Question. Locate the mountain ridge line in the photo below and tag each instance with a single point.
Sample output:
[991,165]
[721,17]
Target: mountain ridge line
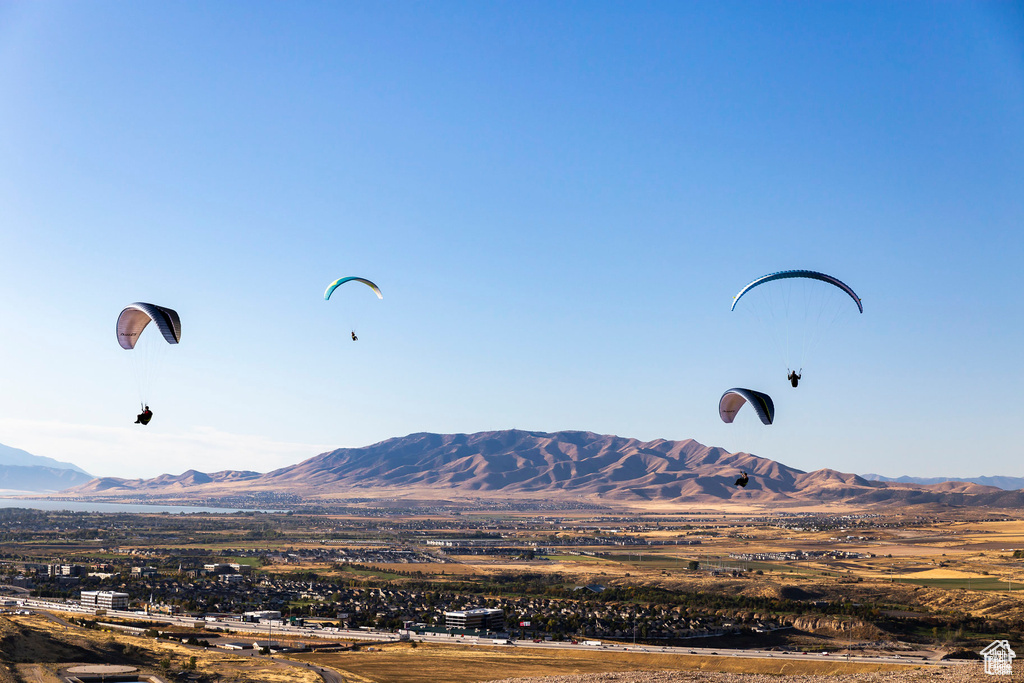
[567,464]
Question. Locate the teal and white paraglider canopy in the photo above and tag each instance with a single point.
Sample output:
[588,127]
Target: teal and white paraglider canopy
[795,311]
[340,281]
[809,274]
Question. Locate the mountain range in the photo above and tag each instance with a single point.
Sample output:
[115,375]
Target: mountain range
[16,456]
[568,465]
[22,471]
[1005,483]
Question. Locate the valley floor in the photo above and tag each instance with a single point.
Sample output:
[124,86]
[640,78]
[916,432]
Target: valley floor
[960,674]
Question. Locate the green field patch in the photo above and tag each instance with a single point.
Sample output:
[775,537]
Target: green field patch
[984,584]
[96,557]
[754,565]
[580,558]
[234,559]
[656,561]
[371,571]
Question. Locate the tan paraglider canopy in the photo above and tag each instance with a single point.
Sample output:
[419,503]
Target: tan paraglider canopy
[136,316]
[734,399]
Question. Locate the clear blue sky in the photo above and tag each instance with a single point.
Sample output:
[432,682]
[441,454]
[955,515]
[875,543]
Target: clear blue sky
[558,200]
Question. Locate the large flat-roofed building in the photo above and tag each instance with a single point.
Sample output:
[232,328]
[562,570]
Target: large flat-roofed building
[65,570]
[227,568]
[104,599]
[483,618]
[262,615]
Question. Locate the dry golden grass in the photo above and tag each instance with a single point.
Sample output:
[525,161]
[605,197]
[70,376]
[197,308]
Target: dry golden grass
[460,569]
[943,574]
[582,566]
[461,664]
[37,673]
[49,645]
[7,675]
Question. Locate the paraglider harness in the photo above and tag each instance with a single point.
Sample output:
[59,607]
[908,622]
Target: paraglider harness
[354,337]
[794,377]
[145,416]
[742,481]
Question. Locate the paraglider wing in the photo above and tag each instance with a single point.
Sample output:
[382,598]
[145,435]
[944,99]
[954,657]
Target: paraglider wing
[734,399]
[136,316]
[337,283]
[810,274]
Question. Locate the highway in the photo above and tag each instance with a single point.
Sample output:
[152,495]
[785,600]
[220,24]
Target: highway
[308,633]
[47,609]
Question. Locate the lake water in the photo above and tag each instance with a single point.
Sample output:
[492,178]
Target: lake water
[85,506]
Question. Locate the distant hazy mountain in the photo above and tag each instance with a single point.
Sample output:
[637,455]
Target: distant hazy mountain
[165,482]
[16,456]
[22,471]
[39,479]
[515,464]
[1005,483]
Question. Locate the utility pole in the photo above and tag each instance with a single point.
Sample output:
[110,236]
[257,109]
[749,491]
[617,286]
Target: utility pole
[849,646]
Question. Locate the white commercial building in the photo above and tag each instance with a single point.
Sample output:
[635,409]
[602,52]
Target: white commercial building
[105,600]
[262,615]
[480,618]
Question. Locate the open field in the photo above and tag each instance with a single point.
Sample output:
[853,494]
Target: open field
[967,674]
[455,664]
[380,571]
[997,572]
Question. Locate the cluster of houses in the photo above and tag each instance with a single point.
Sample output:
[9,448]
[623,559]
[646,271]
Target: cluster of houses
[800,555]
[267,600]
[369,554]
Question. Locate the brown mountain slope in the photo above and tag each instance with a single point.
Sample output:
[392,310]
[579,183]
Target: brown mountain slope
[108,485]
[562,465]
[514,461]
